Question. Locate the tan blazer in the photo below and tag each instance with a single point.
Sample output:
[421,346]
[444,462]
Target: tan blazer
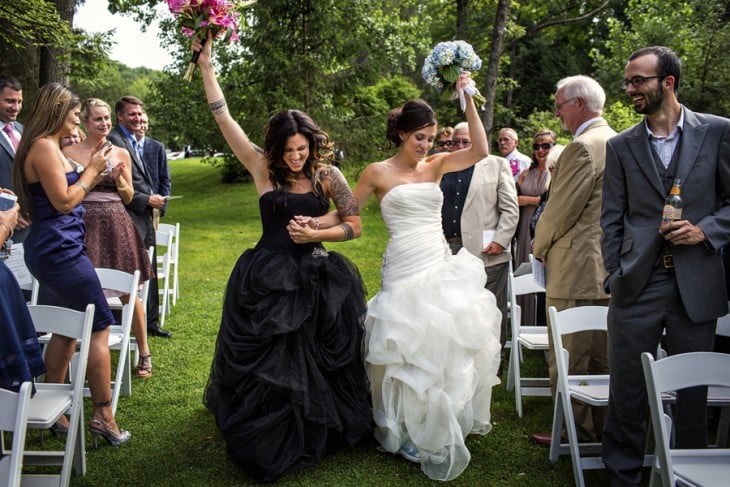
[568,233]
[491,204]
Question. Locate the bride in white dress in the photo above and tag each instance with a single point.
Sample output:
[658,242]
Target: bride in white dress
[432,332]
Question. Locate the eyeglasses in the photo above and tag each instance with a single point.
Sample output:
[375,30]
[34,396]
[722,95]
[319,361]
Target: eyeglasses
[464,142]
[637,81]
[560,106]
[443,143]
[543,146]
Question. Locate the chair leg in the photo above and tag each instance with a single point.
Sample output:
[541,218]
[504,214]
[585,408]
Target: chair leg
[723,427]
[557,428]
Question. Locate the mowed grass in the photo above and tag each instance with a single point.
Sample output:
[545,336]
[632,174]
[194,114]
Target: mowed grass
[175,441]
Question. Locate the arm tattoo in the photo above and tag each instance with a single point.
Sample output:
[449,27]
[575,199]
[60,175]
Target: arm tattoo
[341,194]
[218,106]
[349,233]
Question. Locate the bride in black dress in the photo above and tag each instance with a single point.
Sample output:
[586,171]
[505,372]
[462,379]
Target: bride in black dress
[287,383]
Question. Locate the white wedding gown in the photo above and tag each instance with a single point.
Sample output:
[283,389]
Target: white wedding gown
[432,337]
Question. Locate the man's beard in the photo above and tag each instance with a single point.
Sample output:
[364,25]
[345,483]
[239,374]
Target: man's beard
[652,102]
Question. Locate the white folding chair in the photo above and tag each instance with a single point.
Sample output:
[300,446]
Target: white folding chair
[164,239]
[710,466]
[13,418]
[588,389]
[51,401]
[174,250]
[119,335]
[528,337]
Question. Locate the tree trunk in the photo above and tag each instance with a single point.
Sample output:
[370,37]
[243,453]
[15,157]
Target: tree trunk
[498,31]
[462,17]
[52,69]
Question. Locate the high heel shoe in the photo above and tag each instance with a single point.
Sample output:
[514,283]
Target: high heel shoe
[100,428]
[144,367]
[59,429]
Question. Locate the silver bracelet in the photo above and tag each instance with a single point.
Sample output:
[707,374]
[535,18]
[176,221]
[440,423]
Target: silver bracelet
[83,186]
[316,223]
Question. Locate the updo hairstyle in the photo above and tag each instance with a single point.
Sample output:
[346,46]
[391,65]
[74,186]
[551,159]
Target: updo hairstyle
[415,114]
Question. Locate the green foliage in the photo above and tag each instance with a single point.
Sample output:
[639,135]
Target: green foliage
[697,30]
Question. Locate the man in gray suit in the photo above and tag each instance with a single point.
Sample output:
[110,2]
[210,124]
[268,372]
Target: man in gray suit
[478,199]
[11,102]
[129,115]
[663,277]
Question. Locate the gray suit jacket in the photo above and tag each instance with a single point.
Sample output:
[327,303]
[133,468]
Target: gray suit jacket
[7,155]
[139,211]
[633,197]
[491,204]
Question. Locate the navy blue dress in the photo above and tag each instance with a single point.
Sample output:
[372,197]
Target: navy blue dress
[287,383]
[56,255]
[20,353]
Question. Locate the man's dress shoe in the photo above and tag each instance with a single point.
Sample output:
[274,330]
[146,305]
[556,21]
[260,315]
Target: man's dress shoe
[159,332]
[542,438]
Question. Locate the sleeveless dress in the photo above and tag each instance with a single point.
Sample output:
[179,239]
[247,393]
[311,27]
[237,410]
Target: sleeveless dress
[287,383]
[20,353]
[112,240]
[56,256]
[432,337]
[534,184]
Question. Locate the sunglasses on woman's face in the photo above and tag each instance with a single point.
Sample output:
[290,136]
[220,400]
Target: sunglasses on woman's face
[443,143]
[543,146]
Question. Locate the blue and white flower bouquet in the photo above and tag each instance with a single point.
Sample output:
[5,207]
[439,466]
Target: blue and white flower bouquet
[443,66]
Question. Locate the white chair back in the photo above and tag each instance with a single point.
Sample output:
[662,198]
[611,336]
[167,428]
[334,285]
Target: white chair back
[14,418]
[164,239]
[709,466]
[174,289]
[53,400]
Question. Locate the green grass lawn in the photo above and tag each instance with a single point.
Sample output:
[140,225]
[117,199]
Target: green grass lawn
[175,441]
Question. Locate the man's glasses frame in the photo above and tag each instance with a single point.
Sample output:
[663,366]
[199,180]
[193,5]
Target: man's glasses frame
[461,142]
[637,81]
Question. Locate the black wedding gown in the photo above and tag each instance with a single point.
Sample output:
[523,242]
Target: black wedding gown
[287,383]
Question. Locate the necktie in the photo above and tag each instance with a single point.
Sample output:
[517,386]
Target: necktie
[140,152]
[11,134]
[515,166]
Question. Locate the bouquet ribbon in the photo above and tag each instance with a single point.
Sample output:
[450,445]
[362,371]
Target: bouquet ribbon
[471,89]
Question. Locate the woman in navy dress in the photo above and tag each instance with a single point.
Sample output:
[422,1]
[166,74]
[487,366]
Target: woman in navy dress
[20,353]
[287,384]
[51,188]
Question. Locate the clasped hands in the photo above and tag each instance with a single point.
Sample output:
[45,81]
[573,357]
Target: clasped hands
[302,228]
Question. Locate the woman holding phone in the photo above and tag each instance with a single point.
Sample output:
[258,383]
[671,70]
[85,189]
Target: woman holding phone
[112,241]
[50,190]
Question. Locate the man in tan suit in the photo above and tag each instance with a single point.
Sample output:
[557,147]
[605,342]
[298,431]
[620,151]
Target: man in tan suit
[567,237]
[480,199]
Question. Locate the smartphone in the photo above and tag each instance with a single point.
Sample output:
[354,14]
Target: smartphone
[109,166]
[7,201]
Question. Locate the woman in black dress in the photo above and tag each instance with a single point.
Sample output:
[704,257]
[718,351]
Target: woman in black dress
[287,383]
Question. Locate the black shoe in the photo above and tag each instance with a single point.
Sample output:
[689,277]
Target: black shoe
[159,332]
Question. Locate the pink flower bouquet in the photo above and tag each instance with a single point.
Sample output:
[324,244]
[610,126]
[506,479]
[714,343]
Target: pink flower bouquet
[198,17]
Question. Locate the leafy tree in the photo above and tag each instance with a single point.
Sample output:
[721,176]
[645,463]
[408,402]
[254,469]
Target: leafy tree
[697,30]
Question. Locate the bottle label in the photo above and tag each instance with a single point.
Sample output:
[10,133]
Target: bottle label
[671,213]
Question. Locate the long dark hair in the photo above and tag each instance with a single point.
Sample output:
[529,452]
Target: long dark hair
[284,125]
[415,114]
[52,105]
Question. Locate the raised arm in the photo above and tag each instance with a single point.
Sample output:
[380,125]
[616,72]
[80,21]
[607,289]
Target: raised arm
[461,159]
[250,156]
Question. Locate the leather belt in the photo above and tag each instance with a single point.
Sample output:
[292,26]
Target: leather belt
[665,260]
[454,240]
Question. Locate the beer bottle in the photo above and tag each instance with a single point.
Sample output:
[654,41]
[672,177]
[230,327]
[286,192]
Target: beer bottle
[673,203]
